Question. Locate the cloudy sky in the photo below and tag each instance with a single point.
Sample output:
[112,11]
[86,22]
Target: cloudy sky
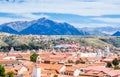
[80,13]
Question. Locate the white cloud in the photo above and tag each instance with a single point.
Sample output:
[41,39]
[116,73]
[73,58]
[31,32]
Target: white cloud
[31,16]
[79,7]
[27,17]
[100,7]
[108,20]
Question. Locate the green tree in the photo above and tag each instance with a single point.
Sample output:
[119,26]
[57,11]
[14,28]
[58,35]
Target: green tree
[10,74]
[116,67]
[33,57]
[115,62]
[78,62]
[55,75]
[2,71]
[109,65]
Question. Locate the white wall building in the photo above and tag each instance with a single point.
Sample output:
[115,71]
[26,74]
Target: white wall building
[36,72]
[88,54]
[76,73]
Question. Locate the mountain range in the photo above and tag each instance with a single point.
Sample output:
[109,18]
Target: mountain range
[41,26]
[44,26]
[98,31]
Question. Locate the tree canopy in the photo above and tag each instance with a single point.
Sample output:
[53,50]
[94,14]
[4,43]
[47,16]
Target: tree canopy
[10,74]
[2,71]
[115,62]
[109,65]
[55,75]
[33,57]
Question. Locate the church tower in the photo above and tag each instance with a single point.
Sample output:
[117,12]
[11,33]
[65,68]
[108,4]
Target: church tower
[36,69]
[38,60]
[12,50]
[107,49]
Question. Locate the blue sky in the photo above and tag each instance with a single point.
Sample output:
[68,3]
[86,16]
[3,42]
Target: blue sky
[80,13]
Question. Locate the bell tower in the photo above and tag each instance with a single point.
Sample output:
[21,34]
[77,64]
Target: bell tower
[36,69]
[38,60]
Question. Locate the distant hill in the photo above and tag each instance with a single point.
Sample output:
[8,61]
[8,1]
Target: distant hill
[41,26]
[24,42]
[115,41]
[98,31]
[116,33]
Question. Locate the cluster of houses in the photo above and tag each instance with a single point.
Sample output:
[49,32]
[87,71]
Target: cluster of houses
[64,61]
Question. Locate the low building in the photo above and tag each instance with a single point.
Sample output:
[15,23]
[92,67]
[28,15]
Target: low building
[9,62]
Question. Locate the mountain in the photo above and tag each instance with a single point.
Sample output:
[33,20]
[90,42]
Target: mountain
[4,28]
[101,30]
[116,33]
[92,32]
[18,25]
[41,26]
[45,26]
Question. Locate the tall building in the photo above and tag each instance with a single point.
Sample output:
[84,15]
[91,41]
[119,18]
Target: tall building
[37,70]
[38,60]
[106,51]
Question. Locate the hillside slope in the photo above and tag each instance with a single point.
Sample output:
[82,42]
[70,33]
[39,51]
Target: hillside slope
[36,42]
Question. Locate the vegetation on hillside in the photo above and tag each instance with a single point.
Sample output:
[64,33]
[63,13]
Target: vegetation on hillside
[93,41]
[20,42]
[115,41]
